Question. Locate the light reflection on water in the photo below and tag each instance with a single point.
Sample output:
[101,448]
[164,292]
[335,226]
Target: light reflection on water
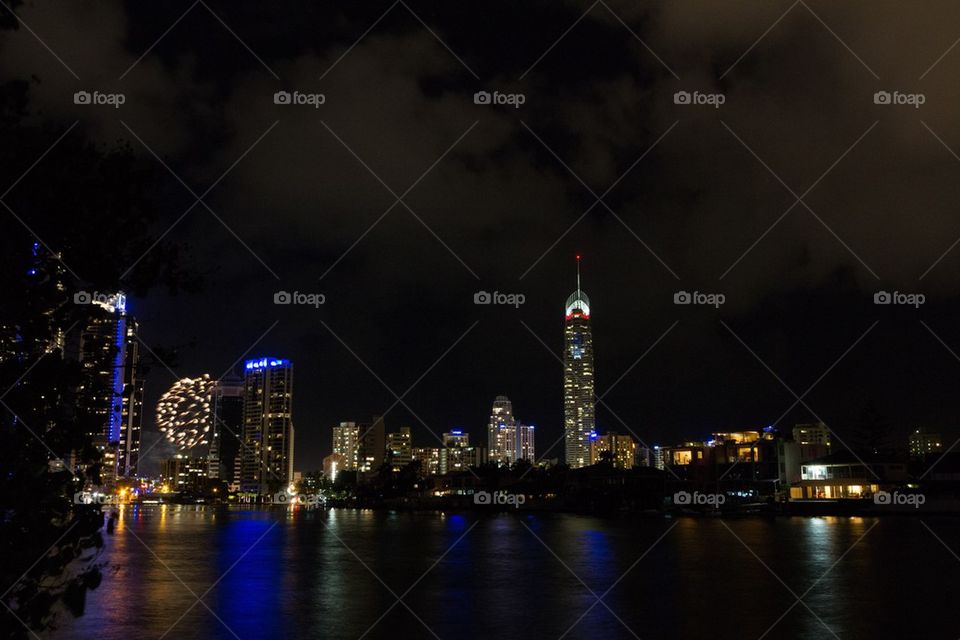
[336,574]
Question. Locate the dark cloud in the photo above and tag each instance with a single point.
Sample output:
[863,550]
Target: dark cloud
[500,201]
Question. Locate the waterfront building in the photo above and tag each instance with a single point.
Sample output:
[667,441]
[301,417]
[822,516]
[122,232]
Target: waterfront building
[345,441]
[267,441]
[184,473]
[111,392]
[843,475]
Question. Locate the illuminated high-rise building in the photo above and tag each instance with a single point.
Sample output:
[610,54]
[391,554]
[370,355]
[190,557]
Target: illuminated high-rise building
[429,459]
[578,383]
[110,398]
[371,445]
[345,441]
[509,440]
[457,454]
[227,429]
[266,453]
[619,450]
[456,438]
[502,432]
[525,449]
[399,448]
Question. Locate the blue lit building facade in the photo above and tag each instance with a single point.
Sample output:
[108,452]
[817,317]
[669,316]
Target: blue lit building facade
[267,441]
[111,395]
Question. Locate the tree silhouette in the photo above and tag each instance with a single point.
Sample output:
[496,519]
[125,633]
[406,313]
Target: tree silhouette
[98,210]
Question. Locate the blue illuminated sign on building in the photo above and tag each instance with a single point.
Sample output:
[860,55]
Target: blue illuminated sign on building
[265,363]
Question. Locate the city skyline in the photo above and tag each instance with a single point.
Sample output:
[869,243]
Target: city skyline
[281,347]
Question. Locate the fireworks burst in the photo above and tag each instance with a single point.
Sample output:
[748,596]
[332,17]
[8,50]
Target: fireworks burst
[184,413]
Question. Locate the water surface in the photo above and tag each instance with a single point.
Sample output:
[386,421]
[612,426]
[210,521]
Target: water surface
[339,574]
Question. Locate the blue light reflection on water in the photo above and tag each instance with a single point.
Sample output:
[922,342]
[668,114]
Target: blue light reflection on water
[319,573]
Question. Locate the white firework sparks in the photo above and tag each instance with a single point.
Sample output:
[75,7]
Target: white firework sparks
[185,414]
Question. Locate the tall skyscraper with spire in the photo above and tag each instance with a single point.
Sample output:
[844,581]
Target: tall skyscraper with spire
[578,391]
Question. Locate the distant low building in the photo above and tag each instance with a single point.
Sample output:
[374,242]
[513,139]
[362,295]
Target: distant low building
[812,433]
[923,442]
[183,473]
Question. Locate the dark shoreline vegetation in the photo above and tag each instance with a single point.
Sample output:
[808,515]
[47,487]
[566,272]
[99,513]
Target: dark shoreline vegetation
[599,490]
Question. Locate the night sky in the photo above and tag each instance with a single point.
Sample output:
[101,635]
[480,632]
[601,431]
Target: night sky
[798,199]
